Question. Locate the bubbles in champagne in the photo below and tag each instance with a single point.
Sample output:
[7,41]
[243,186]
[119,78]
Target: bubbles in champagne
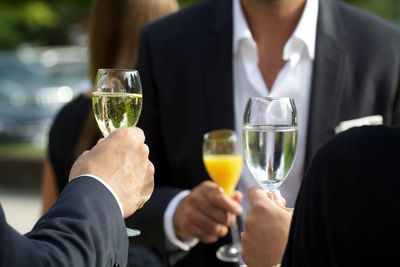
[116,110]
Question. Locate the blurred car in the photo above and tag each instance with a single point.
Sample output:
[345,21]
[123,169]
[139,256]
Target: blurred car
[33,89]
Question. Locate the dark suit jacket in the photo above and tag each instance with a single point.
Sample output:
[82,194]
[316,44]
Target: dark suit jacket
[84,228]
[185,64]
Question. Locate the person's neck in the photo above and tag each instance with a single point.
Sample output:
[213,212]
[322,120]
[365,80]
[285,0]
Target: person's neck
[271,23]
[272,20]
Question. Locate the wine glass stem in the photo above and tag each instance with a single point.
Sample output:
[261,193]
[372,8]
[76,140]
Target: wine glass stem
[235,231]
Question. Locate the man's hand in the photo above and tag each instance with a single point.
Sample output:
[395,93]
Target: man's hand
[121,160]
[266,229]
[203,214]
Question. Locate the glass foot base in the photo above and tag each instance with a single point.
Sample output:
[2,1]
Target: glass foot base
[229,253]
[132,232]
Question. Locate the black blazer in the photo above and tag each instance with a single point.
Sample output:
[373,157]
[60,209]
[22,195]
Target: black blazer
[185,63]
[84,228]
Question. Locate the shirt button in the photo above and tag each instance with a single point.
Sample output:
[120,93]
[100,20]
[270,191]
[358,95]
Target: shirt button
[116,265]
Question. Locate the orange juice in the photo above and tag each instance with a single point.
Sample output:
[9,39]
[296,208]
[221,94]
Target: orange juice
[225,170]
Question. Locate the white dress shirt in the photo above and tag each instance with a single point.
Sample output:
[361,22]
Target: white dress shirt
[293,80]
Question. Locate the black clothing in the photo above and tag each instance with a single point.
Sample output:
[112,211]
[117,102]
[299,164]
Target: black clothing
[346,213]
[64,135]
[186,69]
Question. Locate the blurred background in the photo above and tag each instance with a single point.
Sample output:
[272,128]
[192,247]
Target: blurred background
[43,65]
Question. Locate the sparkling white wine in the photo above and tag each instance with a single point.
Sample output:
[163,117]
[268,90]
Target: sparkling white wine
[269,153]
[116,110]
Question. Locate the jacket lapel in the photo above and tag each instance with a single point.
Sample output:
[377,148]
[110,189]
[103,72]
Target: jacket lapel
[216,58]
[328,77]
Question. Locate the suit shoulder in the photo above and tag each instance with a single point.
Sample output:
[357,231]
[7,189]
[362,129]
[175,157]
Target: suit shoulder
[67,125]
[357,20]
[71,111]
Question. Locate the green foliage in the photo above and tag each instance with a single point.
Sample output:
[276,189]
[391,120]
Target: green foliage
[21,150]
[387,9]
[39,22]
[37,14]
[27,18]
[184,3]
[47,22]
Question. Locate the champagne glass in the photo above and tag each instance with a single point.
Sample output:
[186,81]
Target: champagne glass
[270,139]
[117,103]
[223,160]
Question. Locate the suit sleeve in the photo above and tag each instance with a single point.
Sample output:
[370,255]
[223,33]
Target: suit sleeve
[83,228]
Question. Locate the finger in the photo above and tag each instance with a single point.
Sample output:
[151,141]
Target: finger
[100,140]
[128,133]
[278,199]
[201,226]
[214,213]
[209,226]
[222,201]
[139,134]
[210,236]
[150,179]
[146,149]
[270,195]
[256,193]
[200,201]
[202,235]
[84,153]
[150,168]
[237,196]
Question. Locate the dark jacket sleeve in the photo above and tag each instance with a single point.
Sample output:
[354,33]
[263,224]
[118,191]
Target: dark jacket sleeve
[83,228]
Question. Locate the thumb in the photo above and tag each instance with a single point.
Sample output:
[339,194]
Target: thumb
[256,194]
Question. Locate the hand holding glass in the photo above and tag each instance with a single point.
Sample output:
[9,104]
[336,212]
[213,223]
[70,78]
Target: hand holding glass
[270,139]
[117,103]
[223,161]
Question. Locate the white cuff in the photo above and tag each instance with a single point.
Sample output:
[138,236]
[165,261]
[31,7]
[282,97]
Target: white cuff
[169,225]
[108,187]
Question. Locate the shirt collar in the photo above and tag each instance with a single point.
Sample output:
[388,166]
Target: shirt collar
[304,34]
[240,27]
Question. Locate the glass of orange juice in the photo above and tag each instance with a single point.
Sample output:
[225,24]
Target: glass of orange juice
[222,157]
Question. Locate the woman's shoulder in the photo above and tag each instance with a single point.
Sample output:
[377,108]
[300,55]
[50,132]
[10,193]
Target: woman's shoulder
[72,113]
[69,121]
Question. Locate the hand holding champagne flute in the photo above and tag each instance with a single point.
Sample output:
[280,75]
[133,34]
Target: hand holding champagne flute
[223,161]
[117,103]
